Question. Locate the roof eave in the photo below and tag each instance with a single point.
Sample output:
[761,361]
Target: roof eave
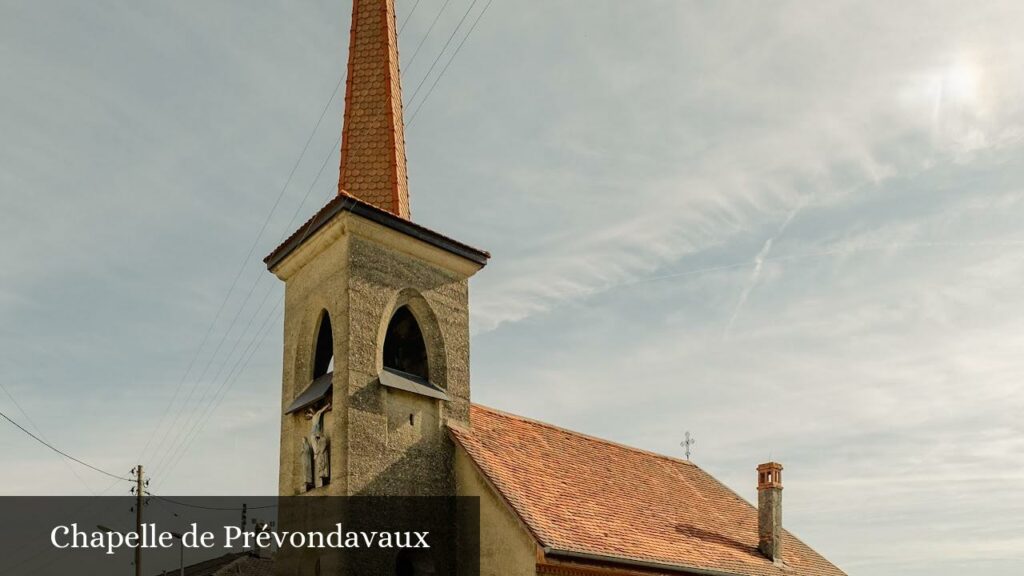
[346,203]
[626,561]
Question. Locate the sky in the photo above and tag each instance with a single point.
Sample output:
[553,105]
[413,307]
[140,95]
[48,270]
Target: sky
[790,228]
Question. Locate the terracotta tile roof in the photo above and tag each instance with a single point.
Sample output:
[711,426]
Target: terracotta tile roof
[373,139]
[347,203]
[581,494]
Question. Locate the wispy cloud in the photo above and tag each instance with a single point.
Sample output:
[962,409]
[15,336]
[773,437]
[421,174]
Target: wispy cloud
[827,136]
[755,274]
[837,184]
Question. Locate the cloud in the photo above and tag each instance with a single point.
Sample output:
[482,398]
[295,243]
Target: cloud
[775,125]
[623,162]
[755,274]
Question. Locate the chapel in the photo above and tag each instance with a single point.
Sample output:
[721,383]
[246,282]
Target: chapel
[376,392]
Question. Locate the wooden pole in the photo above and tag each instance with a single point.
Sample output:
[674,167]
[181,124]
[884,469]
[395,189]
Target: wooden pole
[138,519]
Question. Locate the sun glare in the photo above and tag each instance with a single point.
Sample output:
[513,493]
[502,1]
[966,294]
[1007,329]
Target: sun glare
[960,84]
[955,100]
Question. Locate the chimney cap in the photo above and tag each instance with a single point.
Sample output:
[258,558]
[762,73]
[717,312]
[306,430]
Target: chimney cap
[769,475]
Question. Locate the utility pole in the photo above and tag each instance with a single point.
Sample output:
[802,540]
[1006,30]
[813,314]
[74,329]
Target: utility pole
[139,489]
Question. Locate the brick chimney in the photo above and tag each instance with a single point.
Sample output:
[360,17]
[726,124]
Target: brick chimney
[373,137]
[769,510]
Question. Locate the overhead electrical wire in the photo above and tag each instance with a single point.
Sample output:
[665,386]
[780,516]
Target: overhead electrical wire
[416,53]
[216,508]
[233,374]
[184,438]
[234,283]
[191,435]
[166,465]
[61,452]
[249,255]
[441,53]
[408,17]
[40,433]
[179,447]
[449,63]
[179,436]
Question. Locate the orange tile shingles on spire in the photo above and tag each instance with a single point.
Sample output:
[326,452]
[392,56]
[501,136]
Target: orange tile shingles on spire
[373,164]
[581,494]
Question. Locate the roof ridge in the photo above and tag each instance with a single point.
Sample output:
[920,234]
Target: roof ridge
[584,435]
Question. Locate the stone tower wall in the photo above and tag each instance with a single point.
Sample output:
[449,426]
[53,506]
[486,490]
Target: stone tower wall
[383,441]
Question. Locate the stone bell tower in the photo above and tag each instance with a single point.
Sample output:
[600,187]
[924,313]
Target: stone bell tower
[376,327]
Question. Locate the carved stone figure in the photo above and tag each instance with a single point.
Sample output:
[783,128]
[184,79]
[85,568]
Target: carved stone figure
[306,454]
[316,452]
[322,460]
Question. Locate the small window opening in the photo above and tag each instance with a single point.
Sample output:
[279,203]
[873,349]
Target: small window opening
[404,348]
[323,356]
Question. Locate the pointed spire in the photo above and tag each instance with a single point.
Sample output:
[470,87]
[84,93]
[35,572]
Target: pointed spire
[373,137]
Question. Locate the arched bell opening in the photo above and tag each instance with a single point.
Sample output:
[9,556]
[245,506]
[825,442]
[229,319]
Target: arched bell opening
[412,351]
[323,350]
[404,347]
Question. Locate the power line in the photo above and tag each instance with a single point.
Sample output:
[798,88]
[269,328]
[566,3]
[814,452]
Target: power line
[177,437]
[449,63]
[441,53]
[210,361]
[424,39]
[234,283]
[230,380]
[192,434]
[172,461]
[173,456]
[40,432]
[409,16]
[176,451]
[236,371]
[217,508]
[61,452]
[183,440]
